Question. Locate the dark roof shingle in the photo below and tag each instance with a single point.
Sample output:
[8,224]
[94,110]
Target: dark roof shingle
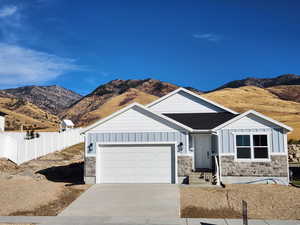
[201,121]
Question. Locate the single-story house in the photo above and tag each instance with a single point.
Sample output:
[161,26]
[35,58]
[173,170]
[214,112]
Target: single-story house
[66,125]
[183,133]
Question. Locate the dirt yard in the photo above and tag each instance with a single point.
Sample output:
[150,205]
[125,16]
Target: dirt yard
[265,201]
[42,187]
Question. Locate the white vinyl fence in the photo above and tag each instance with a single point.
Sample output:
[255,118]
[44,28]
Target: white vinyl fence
[15,147]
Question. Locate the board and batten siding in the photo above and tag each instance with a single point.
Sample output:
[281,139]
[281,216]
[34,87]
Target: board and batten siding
[251,124]
[226,139]
[131,137]
[136,119]
[182,102]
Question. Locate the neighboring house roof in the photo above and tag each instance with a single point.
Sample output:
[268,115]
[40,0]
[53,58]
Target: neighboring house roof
[253,112]
[202,121]
[193,94]
[68,123]
[3,114]
[141,107]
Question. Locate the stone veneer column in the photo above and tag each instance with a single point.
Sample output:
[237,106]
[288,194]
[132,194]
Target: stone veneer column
[184,165]
[90,170]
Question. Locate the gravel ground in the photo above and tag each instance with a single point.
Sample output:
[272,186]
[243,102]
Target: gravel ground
[265,201]
[42,187]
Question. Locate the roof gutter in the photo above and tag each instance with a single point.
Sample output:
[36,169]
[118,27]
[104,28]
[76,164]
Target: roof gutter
[201,131]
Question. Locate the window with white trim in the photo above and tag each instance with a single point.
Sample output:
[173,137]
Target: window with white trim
[252,146]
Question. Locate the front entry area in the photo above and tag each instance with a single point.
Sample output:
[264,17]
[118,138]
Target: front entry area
[135,163]
[202,143]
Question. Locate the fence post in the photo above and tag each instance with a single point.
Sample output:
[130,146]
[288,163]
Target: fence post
[245,212]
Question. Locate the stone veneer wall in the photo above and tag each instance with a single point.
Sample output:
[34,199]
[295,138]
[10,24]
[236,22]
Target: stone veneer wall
[294,153]
[277,167]
[90,167]
[184,165]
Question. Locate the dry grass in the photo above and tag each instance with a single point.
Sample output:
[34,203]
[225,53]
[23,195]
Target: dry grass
[116,103]
[52,208]
[264,201]
[42,187]
[27,114]
[261,100]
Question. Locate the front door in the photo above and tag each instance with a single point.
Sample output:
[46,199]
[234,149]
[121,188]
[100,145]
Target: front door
[202,151]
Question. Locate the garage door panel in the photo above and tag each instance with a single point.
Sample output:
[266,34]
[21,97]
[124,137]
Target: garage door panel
[135,164]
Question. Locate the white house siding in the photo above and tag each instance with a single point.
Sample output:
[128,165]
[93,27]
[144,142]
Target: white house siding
[232,171]
[134,137]
[92,139]
[226,139]
[182,102]
[134,120]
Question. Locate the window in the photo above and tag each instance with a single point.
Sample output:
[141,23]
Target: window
[243,147]
[260,146]
[252,146]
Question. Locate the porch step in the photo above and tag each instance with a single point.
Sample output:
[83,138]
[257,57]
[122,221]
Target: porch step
[201,178]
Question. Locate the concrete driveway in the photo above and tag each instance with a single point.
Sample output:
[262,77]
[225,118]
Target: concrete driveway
[127,200]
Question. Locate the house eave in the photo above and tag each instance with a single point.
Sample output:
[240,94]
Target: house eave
[199,131]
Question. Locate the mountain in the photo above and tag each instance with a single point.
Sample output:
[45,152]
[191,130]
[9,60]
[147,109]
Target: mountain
[115,103]
[277,97]
[278,102]
[84,111]
[24,114]
[262,100]
[286,79]
[53,99]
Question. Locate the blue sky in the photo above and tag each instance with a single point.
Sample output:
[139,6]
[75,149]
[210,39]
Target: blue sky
[201,43]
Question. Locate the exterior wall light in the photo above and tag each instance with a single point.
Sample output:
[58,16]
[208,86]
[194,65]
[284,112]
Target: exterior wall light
[180,147]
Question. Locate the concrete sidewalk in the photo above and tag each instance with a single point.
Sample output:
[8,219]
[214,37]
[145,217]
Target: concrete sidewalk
[87,220]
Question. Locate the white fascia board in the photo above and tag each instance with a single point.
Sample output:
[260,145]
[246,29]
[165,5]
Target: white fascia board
[129,107]
[202,131]
[193,94]
[256,114]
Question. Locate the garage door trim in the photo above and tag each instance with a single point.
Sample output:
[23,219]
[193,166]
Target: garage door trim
[99,144]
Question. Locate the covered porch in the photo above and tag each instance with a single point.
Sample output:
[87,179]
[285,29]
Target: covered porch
[204,148]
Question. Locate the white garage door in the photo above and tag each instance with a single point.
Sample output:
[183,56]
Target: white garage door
[135,164]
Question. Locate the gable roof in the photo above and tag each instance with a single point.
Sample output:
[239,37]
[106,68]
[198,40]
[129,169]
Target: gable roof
[193,94]
[141,107]
[202,121]
[68,122]
[253,112]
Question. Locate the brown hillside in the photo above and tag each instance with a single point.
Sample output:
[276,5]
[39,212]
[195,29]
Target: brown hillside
[81,111]
[250,97]
[24,113]
[286,92]
[115,103]
[53,99]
